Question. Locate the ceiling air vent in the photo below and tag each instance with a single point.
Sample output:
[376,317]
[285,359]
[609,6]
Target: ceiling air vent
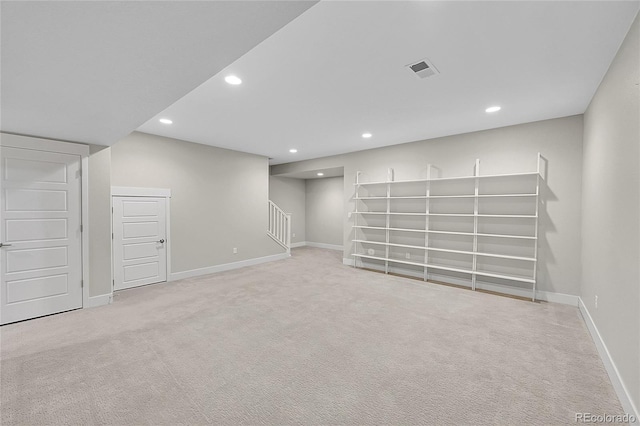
[423,68]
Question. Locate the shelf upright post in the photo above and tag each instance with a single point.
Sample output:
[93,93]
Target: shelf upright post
[355,219]
[388,219]
[426,225]
[535,247]
[476,173]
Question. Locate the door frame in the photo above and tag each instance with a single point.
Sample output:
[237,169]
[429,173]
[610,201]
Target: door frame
[132,191]
[81,150]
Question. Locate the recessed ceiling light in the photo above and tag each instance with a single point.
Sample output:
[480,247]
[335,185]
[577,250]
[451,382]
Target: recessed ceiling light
[166,121]
[366,135]
[493,109]
[232,79]
[293,150]
[320,174]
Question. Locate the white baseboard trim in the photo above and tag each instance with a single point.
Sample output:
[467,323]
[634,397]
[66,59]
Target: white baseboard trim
[547,296]
[325,246]
[298,244]
[101,300]
[617,382]
[226,266]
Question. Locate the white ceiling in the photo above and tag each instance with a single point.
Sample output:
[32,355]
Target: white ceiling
[338,70]
[93,71]
[313,174]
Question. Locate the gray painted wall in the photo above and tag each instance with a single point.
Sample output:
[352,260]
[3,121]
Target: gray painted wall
[504,150]
[611,211]
[289,195]
[219,197]
[324,210]
[99,220]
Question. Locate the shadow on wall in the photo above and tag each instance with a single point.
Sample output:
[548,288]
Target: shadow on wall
[546,227]
[324,207]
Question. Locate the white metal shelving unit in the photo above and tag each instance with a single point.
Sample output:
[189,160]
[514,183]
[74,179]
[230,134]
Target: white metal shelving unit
[391,215]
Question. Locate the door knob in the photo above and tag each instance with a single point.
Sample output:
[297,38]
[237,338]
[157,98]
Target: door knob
[5,245]
[161,241]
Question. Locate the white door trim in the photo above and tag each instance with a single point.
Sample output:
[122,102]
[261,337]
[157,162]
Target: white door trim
[41,144]
[49,145]
[132,191]
[126,191]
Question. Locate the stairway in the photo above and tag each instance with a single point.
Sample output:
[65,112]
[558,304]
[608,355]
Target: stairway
[279,226]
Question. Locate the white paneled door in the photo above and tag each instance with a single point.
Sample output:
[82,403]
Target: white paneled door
[139,241]
[41,253]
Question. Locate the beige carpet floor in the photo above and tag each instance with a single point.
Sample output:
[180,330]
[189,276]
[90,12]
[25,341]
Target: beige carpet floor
[303,341]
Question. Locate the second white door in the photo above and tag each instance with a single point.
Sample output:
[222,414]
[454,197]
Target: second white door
[139,241]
